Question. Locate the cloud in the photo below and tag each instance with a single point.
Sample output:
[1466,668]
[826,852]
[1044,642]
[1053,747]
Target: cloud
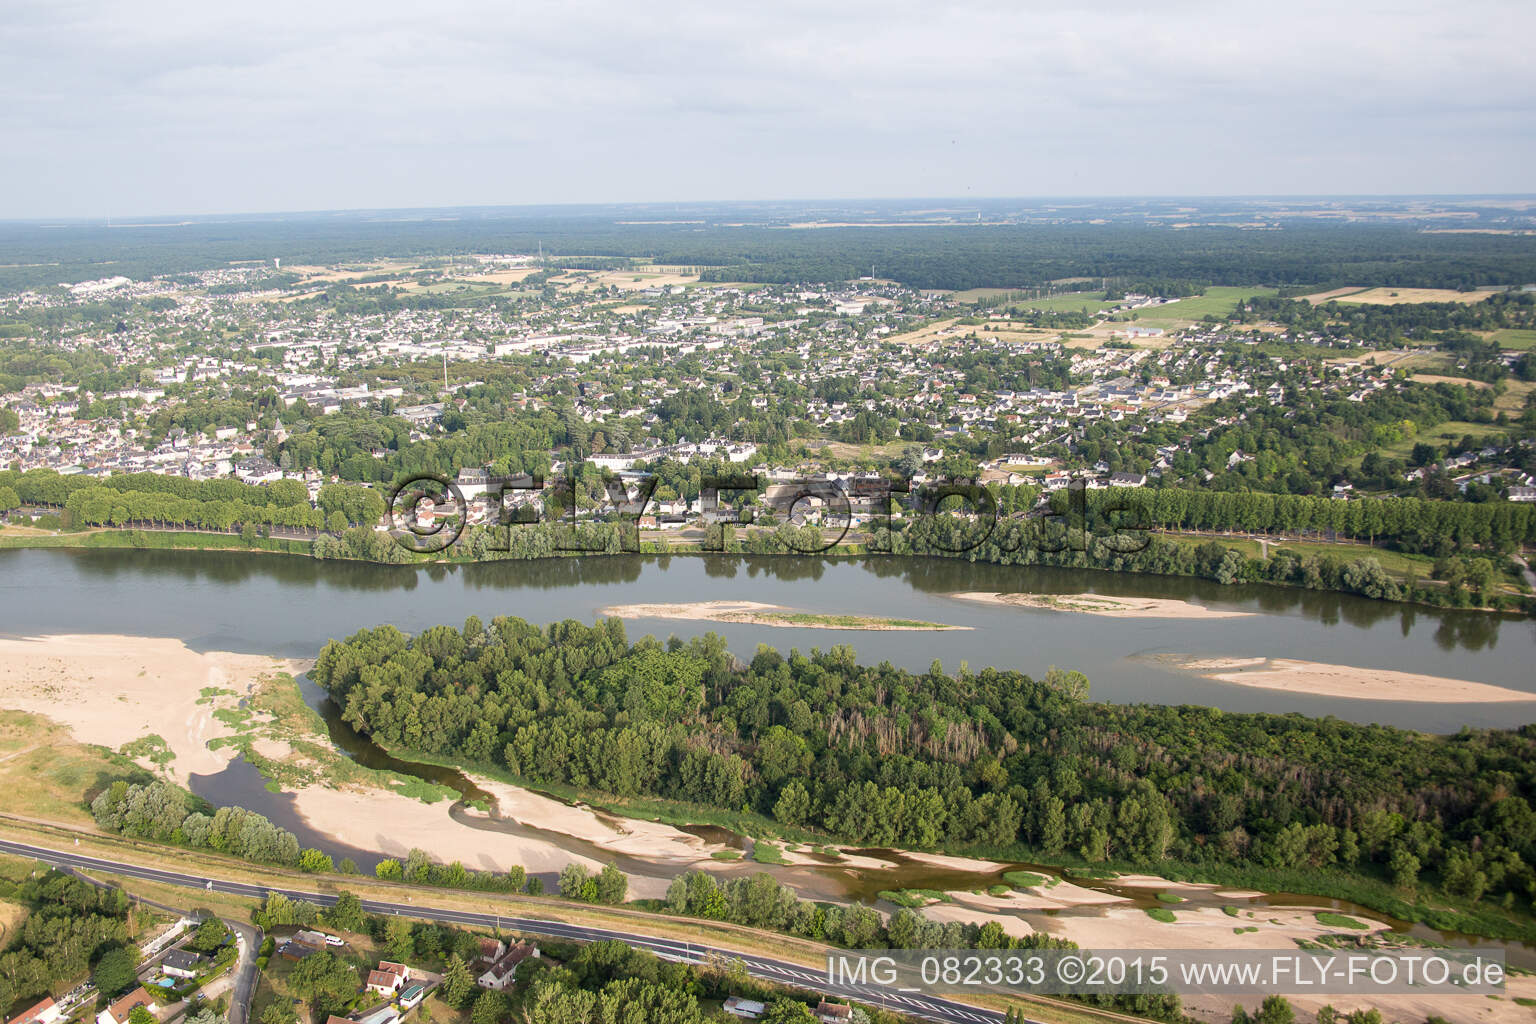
[192,107]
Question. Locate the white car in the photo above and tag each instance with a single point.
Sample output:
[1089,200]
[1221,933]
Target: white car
[331,940]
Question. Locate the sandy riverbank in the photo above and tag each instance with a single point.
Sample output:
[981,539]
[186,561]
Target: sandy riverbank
[1321,680]
[393,824]
[1105,604]
[112,690]
[757,613]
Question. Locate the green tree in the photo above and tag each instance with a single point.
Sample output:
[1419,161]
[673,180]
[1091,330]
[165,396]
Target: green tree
[209,936]
[490,1007]
[575,881]
[314,862]
[787,1011]
[346,914]
[612,886]
[1275,1010]
[116,969]
[323,980]
[458,985]
[399,939]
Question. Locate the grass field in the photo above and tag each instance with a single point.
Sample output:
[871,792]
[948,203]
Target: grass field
[1451,430]
[1395,562]
[1513,399]
[767,853]
[22,537]
[1070,302]
[1317,298]
[1515,338]
[1024,879]
[1217,301]
[12,916]
[45,773]
[1329,919]
[1401,296]
[845,621]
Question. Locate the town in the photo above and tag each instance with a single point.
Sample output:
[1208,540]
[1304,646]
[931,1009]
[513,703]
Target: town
[321,375]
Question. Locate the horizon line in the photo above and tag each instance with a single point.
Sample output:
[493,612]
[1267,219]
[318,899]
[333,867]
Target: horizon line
[174,219]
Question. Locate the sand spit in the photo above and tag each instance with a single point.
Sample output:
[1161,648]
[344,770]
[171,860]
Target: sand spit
[113,690]
[757,613]
[1322,680]
[1105,604]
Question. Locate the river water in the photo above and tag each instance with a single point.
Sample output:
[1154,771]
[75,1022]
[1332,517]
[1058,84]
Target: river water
[291,606]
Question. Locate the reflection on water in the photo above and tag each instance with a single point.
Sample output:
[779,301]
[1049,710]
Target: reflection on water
[290,606]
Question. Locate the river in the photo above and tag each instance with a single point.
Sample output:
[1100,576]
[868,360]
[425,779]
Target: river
[290,606]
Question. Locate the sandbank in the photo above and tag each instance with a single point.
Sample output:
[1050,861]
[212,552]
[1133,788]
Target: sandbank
[1105,604]
[757,613]
[111,690]
[1322,680]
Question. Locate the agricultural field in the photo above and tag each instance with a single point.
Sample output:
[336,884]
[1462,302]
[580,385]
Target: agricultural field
[1318,298]
[1513,398]
[1217,301]
[1400,296]
[1515,338]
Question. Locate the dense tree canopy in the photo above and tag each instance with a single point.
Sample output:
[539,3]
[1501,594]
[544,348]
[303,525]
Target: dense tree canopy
[993,759]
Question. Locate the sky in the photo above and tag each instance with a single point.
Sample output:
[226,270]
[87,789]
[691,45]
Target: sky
[155,107]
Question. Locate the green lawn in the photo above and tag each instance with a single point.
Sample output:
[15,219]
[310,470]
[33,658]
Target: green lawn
[1332,920]
[1451,430]
[1395,562]
[1217,301]
[1522,339]
[1023,879]
[766,853]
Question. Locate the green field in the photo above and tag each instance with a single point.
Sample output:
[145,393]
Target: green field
[1217,301]
[1071,302]
[1450,430]
[1517,338]
[149,539]
[1396,562]
[1331,920]
[1024,879]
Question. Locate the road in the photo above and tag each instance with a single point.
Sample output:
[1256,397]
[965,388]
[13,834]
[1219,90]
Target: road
[932,1008]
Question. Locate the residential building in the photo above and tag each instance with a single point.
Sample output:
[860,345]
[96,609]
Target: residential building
[503,972]
[833,1013]
[748,1009]
[117,1012]
[45,1012]
[181,963]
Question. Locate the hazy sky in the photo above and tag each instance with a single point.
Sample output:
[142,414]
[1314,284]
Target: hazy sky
[142,107]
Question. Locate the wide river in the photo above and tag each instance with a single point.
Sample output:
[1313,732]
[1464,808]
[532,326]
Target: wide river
[290,606]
